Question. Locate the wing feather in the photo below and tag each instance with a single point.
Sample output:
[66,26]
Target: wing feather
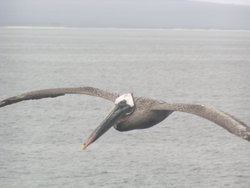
[55,92]
[221,118]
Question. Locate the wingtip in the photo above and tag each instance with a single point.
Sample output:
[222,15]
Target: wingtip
[2,104]
[247,135]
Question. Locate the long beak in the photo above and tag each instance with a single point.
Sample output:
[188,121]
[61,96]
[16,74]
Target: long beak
[106,124]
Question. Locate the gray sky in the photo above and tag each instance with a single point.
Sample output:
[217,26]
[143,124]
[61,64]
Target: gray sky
[208,14]
[234,2]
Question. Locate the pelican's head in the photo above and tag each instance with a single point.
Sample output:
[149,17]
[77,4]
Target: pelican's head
[124,106]
[128,100]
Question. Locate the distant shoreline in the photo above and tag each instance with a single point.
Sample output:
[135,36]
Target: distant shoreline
[116,28]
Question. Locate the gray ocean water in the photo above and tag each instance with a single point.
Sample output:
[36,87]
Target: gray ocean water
[40,141]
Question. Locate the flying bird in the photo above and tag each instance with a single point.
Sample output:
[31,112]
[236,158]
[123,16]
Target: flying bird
[132,112]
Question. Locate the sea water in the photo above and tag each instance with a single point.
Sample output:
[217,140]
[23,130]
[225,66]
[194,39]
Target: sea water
[40,140]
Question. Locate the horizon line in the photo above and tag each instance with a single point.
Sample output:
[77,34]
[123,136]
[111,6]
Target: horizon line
[82,27]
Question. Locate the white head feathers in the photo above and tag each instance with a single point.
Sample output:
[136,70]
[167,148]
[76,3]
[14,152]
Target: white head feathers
[127,97]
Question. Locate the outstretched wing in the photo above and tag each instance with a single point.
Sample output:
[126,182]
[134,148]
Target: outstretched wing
[46,93]
[223,119]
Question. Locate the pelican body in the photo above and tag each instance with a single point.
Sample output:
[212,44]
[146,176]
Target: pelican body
[131,112]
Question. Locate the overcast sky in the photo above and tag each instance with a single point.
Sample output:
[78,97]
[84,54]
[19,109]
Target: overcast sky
[234,2]
[208,14]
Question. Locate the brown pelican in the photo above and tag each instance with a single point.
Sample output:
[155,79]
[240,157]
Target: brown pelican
[132,112]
